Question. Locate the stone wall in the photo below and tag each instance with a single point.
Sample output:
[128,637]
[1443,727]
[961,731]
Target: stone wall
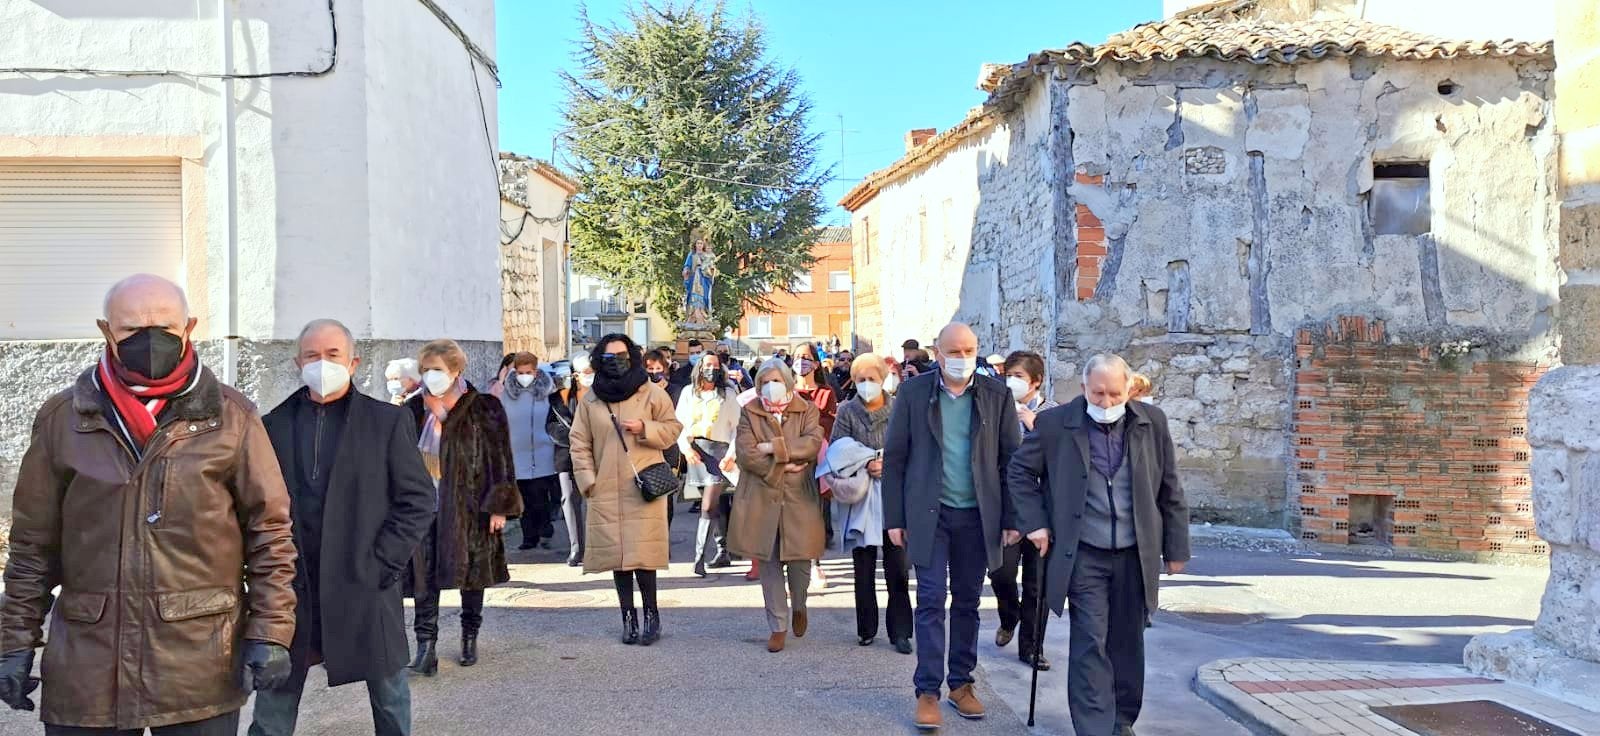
[1562,652]
[1195,215]
[1411,446]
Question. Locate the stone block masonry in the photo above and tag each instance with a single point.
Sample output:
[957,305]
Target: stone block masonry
[1413,446]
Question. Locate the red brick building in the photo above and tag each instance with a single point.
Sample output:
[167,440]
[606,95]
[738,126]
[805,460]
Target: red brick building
[817,310]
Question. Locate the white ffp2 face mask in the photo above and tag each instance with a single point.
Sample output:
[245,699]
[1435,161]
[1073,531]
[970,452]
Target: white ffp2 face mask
[1019,387]
[869,391]
[775,392]
[395,388]
[525,379]
[325,377]
[960,369]
[438,382]
[585,379]
[1108,415]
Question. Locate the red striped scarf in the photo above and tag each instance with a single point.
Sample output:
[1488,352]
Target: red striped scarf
[138,400]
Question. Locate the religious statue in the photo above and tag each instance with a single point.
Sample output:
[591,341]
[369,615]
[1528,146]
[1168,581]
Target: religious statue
[699,273]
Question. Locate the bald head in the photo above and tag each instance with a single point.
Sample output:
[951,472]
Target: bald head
[145,300]
[957,340]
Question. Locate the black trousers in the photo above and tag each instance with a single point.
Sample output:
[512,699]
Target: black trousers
[896,577]
[540,498]
[1105,672]
[427,614]
[226,724]
[1014,608]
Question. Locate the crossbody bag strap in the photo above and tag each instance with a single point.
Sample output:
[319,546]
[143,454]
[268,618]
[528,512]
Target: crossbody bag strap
[617,425]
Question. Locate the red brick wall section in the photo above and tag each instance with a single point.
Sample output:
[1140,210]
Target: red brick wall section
[1447,444]
[1091,244]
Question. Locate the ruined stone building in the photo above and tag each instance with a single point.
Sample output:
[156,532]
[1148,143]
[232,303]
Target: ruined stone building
[1331,243]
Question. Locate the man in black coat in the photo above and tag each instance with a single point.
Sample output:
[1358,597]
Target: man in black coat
[361,500]
[683,375]
[949,440]
[1096,487]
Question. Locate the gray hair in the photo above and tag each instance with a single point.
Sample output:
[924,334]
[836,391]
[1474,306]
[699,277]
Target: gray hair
[782,368]
[403,368]
[318,324]
[1105,361]
[140,279]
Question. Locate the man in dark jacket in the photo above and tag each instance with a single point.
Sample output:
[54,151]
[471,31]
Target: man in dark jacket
[950,438]
[1100,476]
[683,375]
[361,500]
[149,494]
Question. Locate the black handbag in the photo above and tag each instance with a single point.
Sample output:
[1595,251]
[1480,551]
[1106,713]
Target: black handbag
[653,482]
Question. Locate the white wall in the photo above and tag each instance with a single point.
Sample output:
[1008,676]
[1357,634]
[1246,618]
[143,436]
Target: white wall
[368,194]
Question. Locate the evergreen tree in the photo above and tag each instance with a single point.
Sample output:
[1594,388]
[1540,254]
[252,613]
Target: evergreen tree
[678,124]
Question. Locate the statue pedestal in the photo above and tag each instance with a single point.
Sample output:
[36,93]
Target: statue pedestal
[686,332]
[1561,654]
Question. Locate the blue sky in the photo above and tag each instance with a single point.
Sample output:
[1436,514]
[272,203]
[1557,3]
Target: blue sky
[887,66]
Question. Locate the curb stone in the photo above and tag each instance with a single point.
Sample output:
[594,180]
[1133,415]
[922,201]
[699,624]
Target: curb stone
[1210,685]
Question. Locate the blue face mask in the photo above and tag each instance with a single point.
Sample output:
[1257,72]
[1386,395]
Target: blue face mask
[694,358]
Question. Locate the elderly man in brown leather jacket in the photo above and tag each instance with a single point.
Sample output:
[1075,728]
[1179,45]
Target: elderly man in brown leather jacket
[151,495]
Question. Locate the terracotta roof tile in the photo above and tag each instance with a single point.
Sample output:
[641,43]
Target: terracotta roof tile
[514,171]
[1215,31]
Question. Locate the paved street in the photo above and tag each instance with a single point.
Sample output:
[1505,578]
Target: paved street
[550,659]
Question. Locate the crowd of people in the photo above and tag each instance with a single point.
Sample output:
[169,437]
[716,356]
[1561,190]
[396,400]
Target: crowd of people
[935,465]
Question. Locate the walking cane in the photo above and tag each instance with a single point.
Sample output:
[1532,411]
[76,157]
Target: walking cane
[1038,634]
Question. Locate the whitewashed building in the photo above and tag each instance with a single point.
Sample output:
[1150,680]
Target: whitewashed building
[284,160]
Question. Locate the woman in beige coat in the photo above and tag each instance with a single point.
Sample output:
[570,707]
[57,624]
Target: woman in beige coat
[621,425]
[777,513]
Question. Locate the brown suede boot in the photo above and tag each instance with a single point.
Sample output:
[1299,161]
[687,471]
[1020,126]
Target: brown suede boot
[966,703]
[775,642]
[928,717]
[800,623]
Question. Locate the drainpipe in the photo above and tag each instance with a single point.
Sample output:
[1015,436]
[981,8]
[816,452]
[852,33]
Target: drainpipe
[566,282]
[230,253]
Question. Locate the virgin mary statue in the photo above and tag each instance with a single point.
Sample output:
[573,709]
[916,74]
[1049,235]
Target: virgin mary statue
[699,273]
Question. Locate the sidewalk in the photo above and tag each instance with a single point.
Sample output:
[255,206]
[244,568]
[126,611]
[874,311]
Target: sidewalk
[1294,697]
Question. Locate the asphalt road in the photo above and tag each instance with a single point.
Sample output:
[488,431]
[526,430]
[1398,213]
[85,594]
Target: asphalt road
[551,662]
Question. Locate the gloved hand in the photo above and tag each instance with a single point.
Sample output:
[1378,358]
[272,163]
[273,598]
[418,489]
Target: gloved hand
[16,679]
[265,666]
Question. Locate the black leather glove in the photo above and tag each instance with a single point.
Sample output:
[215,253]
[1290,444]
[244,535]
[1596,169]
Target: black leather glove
[265,667]
[16,679]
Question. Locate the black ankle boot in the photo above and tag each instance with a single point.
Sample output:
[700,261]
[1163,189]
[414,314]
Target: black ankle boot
[427,659]
[652,627]
[630,626]
[469,649]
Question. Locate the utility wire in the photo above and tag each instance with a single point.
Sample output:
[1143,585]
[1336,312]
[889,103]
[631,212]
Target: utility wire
[333,58]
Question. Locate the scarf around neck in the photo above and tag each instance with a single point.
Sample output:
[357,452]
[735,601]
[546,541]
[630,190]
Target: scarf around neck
[617,390]
[138,400]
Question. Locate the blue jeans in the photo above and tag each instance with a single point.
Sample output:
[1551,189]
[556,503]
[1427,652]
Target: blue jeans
[959,561]
[278,710]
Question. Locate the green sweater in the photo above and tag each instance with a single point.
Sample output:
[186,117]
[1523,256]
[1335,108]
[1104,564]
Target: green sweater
[956,416]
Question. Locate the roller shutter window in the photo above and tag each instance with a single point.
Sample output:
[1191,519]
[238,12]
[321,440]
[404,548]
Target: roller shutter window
[69,230]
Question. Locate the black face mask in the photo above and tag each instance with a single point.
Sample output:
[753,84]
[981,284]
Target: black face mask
[151,352]
[615,366]
[658,377]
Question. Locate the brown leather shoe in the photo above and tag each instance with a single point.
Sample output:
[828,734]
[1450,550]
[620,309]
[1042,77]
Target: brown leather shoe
[799,624]
[966,703]
[1002,636]
[775,642]
[928,716]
